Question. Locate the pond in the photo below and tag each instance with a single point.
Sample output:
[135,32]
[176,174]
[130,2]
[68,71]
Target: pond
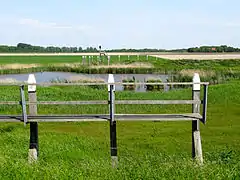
[43,77]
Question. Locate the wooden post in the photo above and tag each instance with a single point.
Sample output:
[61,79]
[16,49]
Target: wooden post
[113,132]
[33,147]
[196,138]
[119,58]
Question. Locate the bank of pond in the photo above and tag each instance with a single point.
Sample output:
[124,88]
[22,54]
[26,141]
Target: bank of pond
[70,77]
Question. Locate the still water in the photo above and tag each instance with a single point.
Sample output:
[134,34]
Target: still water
[42,77]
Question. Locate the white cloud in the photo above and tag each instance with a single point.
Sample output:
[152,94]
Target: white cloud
[51,25]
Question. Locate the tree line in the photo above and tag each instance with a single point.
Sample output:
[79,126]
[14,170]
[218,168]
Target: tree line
[28,48]
[219,49]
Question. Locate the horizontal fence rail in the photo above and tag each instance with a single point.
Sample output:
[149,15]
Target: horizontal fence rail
[150,102]
[104,117]
[89,84]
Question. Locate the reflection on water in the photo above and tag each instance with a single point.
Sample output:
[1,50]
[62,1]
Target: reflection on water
[42,77]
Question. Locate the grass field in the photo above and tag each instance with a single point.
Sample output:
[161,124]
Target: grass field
[146,150]
[66,59]
[133,64]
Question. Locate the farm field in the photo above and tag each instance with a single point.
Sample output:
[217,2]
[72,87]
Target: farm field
[147,150]
[133,61]
[67,59]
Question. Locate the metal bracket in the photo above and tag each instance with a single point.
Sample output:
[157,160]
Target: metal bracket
[205,98]
[23,104]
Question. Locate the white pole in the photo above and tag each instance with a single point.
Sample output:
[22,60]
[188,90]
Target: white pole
[196,138]
[33,147]
[111,80]
[196,79]
[113,125]
[31,80]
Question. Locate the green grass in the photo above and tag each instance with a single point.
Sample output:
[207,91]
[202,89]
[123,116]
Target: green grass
[39,59]
[147,150]
[160,64]
[65,59]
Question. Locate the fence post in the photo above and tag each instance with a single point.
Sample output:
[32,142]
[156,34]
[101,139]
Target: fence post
[33,147]
[113,132]
[196,138]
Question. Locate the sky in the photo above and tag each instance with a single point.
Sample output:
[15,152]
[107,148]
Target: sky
[161,24]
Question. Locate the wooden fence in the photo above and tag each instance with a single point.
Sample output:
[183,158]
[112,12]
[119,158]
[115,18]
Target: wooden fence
[33,118]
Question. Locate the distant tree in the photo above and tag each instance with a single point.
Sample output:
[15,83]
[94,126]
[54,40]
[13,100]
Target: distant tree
[80,49]
[23,45]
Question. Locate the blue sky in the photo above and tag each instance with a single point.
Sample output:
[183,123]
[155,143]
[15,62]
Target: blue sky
[121,23]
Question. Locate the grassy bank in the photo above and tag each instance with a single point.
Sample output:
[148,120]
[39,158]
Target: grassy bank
[146,150]
[124,64]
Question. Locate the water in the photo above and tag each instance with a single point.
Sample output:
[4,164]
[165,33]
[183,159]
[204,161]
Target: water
[43,77]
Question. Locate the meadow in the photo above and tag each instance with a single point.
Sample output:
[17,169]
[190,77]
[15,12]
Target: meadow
[124,64]
[147,150]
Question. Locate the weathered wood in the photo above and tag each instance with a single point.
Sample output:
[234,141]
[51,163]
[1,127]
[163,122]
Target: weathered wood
[103,117]
[157,102]
[105,102]
[71,102]
[33,118]
[196,146]
[33,146]
[115,83]
[10,102]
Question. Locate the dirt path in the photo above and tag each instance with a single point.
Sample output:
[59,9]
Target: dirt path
[199,56]
[172,56]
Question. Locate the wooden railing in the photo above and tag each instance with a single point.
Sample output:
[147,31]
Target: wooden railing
[33,118]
